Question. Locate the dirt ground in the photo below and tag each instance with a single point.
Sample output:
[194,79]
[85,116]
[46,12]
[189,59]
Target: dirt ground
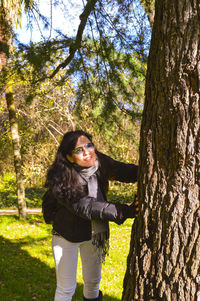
[15,211]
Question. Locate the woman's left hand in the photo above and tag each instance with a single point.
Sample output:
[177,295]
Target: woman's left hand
[132,210]
[135,206]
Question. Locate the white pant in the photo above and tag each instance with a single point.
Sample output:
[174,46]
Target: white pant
[66,258]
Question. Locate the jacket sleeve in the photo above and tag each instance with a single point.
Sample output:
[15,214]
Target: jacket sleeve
[119,171]
[93,209]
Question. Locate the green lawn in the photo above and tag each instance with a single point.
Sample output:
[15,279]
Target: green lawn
[27,267]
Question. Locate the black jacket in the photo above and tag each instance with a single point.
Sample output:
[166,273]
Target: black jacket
[72,217]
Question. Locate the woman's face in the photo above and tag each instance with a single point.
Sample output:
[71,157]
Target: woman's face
[84,153]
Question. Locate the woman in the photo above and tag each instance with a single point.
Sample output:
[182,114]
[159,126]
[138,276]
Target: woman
[77,184]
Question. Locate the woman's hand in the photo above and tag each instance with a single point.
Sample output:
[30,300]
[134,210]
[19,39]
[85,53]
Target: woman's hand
[132,210]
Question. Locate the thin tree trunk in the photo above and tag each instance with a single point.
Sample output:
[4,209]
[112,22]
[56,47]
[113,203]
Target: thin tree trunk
[164,259]
[4,53]
[17,154]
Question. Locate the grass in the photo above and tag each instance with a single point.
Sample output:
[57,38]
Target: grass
[27,268]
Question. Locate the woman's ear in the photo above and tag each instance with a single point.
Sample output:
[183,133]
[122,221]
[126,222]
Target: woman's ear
[70,158]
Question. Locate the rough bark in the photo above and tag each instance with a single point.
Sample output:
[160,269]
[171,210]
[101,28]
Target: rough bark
[164,259]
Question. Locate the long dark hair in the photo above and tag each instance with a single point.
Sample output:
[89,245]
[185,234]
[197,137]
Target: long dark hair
[62,178]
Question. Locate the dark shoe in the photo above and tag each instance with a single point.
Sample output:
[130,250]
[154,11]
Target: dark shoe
[100,298]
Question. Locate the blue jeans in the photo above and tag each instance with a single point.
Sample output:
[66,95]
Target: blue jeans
[66,258]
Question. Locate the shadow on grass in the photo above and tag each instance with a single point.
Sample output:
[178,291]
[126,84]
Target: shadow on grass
[25,278]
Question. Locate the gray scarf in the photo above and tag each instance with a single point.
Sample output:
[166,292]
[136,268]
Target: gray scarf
[100,229]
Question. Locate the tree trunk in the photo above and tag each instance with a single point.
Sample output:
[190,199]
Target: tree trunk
[4,52]
[17,154]
[164,259]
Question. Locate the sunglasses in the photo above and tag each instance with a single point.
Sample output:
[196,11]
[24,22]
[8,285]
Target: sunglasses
[79,150]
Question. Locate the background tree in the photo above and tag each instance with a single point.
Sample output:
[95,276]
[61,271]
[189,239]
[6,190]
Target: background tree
[164,258]
[10,13]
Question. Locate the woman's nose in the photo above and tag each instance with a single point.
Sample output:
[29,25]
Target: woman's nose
[85,150]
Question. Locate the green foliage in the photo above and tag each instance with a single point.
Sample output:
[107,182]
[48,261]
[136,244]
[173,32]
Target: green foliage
[122,192]
[8,193]
[110,64]
[8,196]
[8,181]
[117,83]
[117,135]
[27,268]
[39,59]
[41,124]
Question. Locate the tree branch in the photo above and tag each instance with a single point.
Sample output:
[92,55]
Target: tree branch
[77,43]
